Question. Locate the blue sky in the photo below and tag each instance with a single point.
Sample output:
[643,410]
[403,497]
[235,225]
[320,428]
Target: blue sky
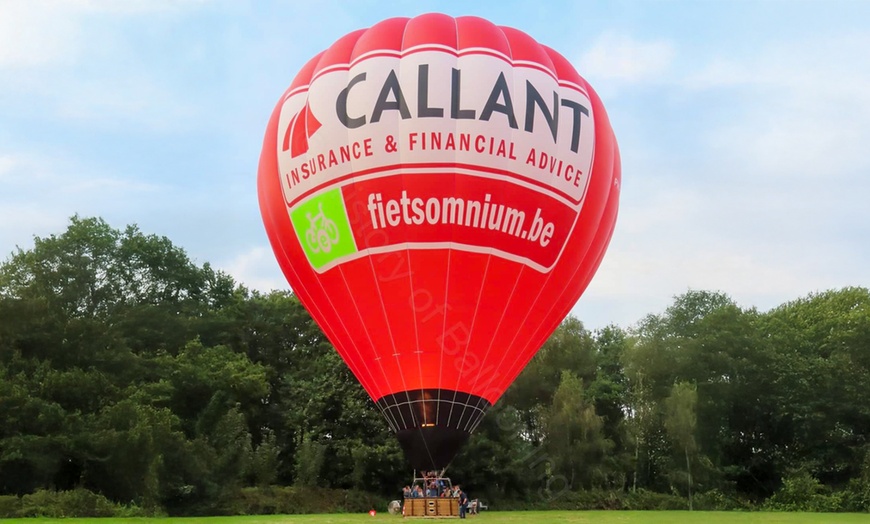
[744,129]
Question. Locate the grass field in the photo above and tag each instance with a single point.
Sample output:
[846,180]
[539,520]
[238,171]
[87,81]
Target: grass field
[518,517]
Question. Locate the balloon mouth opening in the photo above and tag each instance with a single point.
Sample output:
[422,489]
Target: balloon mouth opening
[433,448]
[432,424]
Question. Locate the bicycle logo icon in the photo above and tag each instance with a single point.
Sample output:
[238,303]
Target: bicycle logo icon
[322,232]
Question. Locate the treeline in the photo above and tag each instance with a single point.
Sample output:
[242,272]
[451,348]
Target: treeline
[133,378]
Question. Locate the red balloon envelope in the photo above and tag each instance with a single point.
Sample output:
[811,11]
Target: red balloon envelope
[439,192]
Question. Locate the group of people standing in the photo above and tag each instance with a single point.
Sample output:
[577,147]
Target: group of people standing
[432,489]
[431,486]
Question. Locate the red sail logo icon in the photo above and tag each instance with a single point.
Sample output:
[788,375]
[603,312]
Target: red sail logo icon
[302,126]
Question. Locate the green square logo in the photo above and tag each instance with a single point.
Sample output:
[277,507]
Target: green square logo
[323,228]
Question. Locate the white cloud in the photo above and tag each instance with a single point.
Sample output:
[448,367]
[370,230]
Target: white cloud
[658,209]
[257,269]
[72,59]
[801,108]
[770,201]
[50,175]
[668,246]
[40,193]
[7,163]
[133,7]
[119,101]
[624,59]
[35,33]
[836,65]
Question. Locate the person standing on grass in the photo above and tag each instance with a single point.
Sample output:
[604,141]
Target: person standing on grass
[463,504]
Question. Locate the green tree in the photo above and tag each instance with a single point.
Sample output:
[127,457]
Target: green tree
[126,452]
[609,392]
[264,460]
[681,423]
[569,348]
[498,462]
[128,370]
[574,435]
[92,320]
[310,459]
[231,443]
[821,372]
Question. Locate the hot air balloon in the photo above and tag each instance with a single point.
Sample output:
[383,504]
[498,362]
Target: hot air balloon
[438,192]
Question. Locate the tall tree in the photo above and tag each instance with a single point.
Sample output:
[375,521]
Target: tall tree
[574,435]
[821,372]
[569,348]
[681,422]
